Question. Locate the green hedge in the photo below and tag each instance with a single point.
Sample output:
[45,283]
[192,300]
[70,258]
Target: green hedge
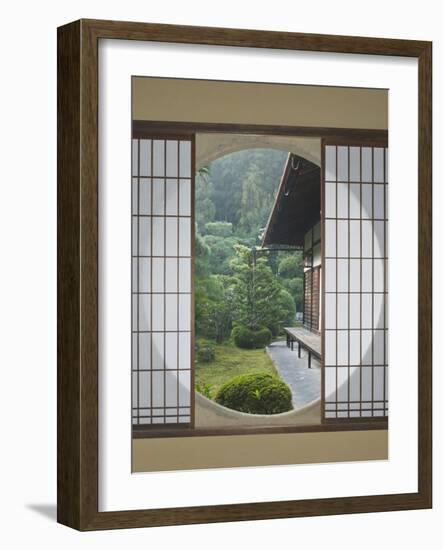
[259,393]
[251,339]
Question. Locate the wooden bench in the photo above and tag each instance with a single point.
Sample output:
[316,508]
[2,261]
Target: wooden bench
[306,339]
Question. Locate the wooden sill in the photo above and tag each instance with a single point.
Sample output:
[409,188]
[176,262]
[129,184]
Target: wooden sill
[143,432]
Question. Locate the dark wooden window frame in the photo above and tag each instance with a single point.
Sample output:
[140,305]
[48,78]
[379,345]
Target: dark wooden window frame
[188,130]
[77,454]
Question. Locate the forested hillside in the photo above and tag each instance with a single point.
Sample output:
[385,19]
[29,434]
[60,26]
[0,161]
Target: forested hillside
[234,197]
[240,189]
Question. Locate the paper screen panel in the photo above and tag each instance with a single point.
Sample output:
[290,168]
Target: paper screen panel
[355,221]
[161,281]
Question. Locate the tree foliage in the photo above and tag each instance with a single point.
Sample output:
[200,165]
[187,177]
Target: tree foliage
[291,266]
[213,310]
[238,182]
[258,297]
[295,289]
[204,206]
[234,195]
[219,229]
[286,309]
[221,250]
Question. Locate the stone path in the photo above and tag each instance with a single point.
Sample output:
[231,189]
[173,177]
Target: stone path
[304,382]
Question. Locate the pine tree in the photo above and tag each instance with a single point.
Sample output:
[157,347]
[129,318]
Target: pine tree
[255,291]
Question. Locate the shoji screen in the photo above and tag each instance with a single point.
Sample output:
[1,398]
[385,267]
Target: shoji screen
[355,216]
[162,326]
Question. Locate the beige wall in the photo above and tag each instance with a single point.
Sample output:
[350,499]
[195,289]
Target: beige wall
[180,100]
[213,146]
[209,414]
[189,453]
[273,104]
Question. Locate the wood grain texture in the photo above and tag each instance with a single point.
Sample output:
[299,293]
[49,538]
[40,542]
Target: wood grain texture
[343,425]
[88,274]
[254,38]
[68,276]
[78,268]
[425,274]
[256,511]
[141,128]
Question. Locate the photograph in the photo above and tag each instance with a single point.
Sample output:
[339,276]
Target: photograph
[259,266]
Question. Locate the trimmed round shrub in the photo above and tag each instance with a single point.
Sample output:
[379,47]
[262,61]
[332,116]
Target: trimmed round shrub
[251,339]
[259,393]
[205,354]
[205,351]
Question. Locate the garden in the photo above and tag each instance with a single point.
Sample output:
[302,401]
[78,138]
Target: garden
[244,295]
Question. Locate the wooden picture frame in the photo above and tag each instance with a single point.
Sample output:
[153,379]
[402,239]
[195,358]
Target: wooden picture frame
[77,454]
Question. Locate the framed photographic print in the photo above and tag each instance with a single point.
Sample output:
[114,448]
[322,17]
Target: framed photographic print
[244,274]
